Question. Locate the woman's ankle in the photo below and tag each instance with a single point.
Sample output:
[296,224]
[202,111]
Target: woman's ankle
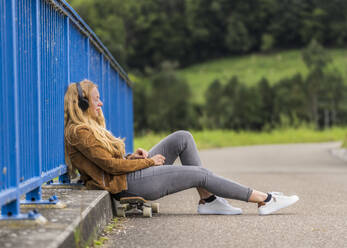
[257,197]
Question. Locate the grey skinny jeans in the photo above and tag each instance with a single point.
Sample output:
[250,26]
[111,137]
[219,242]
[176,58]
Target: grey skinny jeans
[157,181]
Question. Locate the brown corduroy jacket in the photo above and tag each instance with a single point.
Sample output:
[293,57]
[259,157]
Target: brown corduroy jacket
[99,168]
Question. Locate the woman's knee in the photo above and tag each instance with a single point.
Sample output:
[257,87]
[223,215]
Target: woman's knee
[183,136]
[183,133]
[202,175]
[203,170]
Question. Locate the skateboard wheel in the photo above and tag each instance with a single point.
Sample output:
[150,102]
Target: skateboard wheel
[155,207]
[147,212]
[120,212]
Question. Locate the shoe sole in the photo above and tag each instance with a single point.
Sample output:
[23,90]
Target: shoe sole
[220,213]
[296,198]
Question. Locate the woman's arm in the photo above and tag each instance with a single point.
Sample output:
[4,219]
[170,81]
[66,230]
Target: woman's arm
[92,149]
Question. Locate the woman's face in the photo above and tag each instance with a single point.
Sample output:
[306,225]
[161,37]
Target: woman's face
[96,103]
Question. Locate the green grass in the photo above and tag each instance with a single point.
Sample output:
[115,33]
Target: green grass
[344,144]
[225,138]
[251,68]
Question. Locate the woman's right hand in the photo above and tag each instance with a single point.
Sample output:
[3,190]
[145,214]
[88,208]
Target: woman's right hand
[158,159]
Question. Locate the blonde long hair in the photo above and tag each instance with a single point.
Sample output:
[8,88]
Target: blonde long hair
[74,118]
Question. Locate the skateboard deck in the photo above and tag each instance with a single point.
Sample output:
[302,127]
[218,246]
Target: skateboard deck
[136,205]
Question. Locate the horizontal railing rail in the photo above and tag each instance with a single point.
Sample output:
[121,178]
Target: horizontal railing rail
[44,46]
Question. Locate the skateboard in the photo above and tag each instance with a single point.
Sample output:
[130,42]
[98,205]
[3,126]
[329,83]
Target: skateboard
[136,205]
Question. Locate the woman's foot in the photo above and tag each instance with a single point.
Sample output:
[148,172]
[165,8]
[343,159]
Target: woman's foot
[277,202]
[218,206]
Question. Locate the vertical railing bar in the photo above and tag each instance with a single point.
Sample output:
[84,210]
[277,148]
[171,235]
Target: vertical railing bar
[126,114]
[108,93]
[88,57]
[117,104]
[68,48]
[15,83]
[54,53]
[101,77]
[101,69]
[35,194]
[101,74]
[131,114]
[15,88]
[38,46]
[65,178]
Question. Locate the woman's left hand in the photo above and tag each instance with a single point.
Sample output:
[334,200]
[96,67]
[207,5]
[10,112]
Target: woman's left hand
[139,154]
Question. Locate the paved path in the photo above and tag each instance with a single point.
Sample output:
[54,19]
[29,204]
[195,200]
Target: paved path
[319,219]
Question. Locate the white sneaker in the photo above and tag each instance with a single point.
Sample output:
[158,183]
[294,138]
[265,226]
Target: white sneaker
[277,202]
[218,206]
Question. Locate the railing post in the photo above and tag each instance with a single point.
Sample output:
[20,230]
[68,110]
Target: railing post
[34,195]
[11,209]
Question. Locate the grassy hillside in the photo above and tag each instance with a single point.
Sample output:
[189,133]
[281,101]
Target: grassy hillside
[251,68]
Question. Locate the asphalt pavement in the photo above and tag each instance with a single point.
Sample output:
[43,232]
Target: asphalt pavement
[318,219]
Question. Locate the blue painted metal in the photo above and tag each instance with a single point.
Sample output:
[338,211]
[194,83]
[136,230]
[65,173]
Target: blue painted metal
[45,45]
[11,193]
[32,200]
[65,179]
[8,215]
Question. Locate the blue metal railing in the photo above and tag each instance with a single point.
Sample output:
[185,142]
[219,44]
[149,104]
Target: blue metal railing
[44,45]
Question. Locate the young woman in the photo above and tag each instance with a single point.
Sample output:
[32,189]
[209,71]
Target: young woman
[101,161]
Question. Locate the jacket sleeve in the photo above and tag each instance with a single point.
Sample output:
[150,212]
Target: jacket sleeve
[92,149]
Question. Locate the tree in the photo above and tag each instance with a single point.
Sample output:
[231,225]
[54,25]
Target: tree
[238,39]
[146,33]
[141,95]
[266,107]
[289,103]
[331,97]
[213,105]
[241,106]
[267,42]
[228,101]
[169,105]
[316,59]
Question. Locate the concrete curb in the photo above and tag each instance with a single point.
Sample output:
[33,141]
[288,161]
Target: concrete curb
[87,225]
[86,214]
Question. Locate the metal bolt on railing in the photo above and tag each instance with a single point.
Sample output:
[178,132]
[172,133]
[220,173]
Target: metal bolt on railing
[32,214]
[53,198]
[50,182]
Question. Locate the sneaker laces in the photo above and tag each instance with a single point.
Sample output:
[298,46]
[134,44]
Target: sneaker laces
[223,200]
[275,195]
